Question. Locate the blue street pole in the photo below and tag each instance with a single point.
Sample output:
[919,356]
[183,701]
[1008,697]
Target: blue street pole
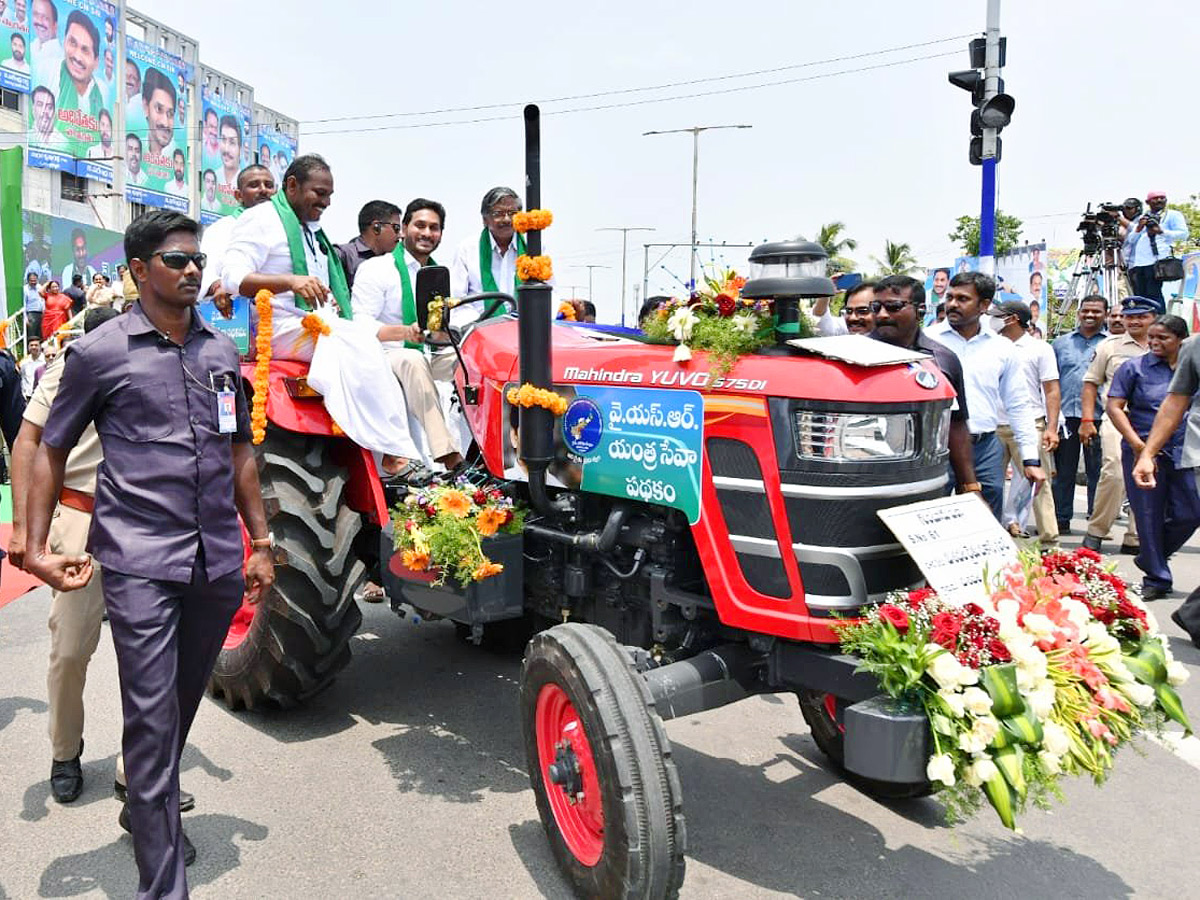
[987,212]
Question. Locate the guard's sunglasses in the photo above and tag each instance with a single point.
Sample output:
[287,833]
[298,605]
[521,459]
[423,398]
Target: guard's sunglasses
[892,306]
[178,259]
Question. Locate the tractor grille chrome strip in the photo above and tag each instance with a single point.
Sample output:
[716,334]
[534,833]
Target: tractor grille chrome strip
[819,492]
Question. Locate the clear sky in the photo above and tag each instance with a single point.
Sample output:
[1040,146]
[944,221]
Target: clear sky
[1102,92]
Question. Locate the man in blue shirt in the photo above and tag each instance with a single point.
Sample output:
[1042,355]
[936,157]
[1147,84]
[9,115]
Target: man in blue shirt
[1074,351]
[35,305]
[1149,240]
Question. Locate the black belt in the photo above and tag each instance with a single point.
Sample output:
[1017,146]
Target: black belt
[976,438]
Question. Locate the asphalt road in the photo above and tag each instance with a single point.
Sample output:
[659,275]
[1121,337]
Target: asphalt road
[406,778]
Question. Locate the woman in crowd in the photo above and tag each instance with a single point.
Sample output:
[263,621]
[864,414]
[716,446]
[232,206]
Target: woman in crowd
[58,310]
[1169,512]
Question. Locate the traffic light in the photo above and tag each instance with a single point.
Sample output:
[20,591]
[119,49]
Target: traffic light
[993,110]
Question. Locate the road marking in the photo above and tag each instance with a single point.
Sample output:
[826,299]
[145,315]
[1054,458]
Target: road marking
[1186,748]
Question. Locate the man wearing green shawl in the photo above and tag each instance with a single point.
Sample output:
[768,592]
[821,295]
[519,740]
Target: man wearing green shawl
[80,99]
[488,261]
[279,246]
[383,296]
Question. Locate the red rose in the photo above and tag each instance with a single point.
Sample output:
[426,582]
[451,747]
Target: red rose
[946,626]
[480,498]
[1084,553]
[973,609]
[917,598]
[999,651]
[508,516]
[431,510]
[894,616]
[725,306]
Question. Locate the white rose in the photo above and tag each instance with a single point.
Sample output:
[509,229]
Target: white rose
[944,669]
[977,701]
[1027,679]
[985,769]
[955,701]
[985,729]
[1039,626]
[941,768]
[1099,639]
[1139,694]
[1055,739]
[1176,673]
[968,676]
[970,742]
[1050,762]
[1041,700]
[969,777]
[1076,612]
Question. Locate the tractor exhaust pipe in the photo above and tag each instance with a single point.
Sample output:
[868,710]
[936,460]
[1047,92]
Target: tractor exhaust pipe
[707,680]
[533,335]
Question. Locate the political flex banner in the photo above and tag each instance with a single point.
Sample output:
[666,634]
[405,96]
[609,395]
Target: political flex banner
[72,57]
[15,72]
[225,135]
[276,151]
[56,249]
[156,145]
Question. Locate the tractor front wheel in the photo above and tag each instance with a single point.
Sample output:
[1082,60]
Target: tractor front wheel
[294,641]
[601,768]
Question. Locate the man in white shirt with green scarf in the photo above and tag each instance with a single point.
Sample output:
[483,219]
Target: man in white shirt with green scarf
[278,246]
[488,261]
[383,295]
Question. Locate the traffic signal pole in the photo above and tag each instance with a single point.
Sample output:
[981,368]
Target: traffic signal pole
[987,206]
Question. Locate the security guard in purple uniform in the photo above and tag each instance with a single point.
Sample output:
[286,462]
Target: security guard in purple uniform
[162,388]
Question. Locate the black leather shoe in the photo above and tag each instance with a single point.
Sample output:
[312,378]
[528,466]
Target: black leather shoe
[1130,549]
[1091,542]
[1178,620]
[1150,594]
[66,778]
[1064,528]
[186,801]
[189,849]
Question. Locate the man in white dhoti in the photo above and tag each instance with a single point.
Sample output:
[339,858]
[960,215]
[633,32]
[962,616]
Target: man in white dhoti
[383,296]
[280,247]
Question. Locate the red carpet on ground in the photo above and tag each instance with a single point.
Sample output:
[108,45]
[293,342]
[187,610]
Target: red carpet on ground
[13,582]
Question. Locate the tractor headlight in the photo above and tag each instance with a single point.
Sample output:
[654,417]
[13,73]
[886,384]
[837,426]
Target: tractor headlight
[855,437]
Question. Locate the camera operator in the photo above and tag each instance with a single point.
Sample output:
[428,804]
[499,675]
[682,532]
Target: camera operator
[1149,240]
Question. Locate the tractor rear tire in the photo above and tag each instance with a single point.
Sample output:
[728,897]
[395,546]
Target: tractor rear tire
[296,639]
[617,829]
[828,736]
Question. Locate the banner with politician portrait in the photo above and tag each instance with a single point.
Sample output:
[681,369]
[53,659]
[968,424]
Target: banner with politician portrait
[15,73]
[56,249]
[225,135]
[276,151]
[72,57]
[156,144]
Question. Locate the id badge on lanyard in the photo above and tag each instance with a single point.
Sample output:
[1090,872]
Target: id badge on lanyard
[226,408]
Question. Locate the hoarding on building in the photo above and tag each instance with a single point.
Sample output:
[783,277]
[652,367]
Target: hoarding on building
[57,248]
[15,71]
[157,170]
[276,151]
[225,136]
[72,57]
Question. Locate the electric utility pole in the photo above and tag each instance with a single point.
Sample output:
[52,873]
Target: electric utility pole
[695,133]
[624,229]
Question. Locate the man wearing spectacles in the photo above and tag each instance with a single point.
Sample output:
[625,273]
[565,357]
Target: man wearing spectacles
[379,231]
[856,317]
[488,261]
[163,390]
[995,384]
[897,311]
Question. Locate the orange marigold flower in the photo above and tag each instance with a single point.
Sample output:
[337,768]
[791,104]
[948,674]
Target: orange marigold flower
[417,562]
[534,220]
[314,325]
[489,520]
[534,268]
[262,367]
[456,503]
[486,570]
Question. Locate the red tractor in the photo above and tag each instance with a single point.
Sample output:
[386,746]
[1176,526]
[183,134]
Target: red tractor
[672,593]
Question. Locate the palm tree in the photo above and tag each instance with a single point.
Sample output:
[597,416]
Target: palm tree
[897,259]
[830,238]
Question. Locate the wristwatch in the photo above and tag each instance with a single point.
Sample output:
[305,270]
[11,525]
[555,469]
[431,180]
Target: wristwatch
[971,487]
[266,543]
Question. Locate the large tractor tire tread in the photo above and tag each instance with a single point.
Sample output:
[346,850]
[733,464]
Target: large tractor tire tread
[644,835]
[298,638]
[832,742]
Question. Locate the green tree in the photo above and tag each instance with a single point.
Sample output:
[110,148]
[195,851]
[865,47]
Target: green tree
[830,236]
[966,233]
[1191,211]
[897,259]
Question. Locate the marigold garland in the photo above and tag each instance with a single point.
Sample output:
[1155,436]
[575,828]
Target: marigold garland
[534,268]
[566,310]
[262,367]
[534,220]
[315,326]
[527,395]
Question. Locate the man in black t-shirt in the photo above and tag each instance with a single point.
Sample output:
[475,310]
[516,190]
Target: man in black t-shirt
[899,308]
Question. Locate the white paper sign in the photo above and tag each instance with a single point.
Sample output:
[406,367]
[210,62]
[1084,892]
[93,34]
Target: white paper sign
[952,540]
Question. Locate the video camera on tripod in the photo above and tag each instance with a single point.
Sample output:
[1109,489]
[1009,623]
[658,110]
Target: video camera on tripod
[1100,229]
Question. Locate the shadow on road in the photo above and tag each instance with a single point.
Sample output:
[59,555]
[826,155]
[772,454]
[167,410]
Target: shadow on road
[111,869]
[529,843]
[10,706]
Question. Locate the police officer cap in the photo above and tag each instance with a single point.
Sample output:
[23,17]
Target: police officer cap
[1132,306]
